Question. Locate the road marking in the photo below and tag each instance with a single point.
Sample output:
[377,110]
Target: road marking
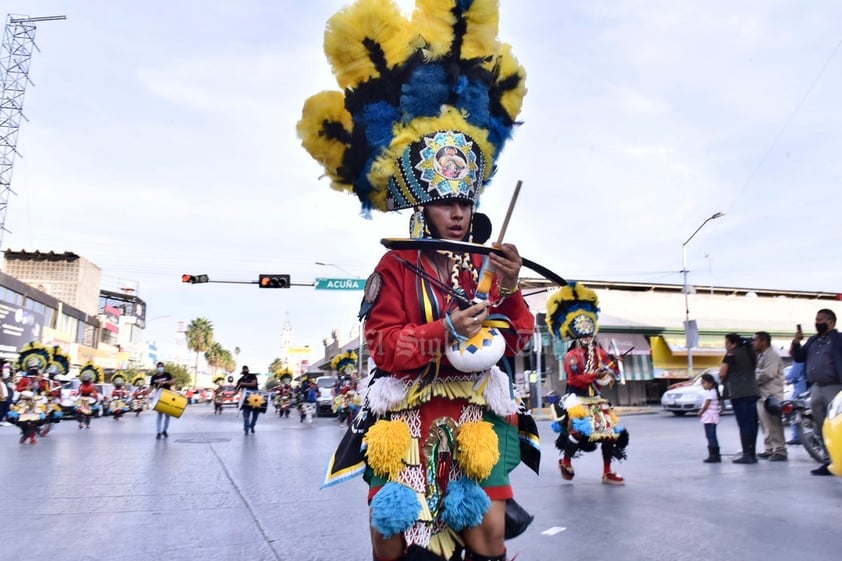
[553,531]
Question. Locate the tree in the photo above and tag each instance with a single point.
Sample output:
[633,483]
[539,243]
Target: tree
[276,366]
[181,374]
[214,356]
[227,362]
[199,339]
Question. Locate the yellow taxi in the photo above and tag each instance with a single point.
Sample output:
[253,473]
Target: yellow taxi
[832,432]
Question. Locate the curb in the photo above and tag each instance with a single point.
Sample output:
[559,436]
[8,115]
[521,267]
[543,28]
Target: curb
[544,413]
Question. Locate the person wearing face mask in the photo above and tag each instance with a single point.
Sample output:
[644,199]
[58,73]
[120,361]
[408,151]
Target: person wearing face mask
[161,379]
[822,358]
[5,391]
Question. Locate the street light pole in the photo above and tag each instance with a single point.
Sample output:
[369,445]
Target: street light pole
[686,291]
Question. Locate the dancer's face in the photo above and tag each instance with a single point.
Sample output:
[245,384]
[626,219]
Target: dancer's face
[450,218]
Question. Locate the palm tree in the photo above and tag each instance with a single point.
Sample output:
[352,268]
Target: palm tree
[227,362]
[199,339]
[213,356]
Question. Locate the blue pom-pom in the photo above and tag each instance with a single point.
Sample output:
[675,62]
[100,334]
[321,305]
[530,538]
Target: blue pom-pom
[618,429]
[464,504]
[394,509]
[556,426]
[425,91]
[13,415]
[583,426]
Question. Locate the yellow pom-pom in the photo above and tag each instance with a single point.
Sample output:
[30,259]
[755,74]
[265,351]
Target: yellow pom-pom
[615,420]
[388,442]
[577,412]
[478,450]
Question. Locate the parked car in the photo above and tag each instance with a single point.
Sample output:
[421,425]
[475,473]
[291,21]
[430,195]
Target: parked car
[230,396]
[324,401]
[688,397]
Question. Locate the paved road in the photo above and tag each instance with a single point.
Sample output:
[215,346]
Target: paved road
[209,492]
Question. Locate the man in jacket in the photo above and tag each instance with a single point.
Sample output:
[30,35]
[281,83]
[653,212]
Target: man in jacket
[822,358]
[770,379]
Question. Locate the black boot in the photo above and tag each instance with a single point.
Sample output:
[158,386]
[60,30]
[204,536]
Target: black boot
[748,456]
[713,455]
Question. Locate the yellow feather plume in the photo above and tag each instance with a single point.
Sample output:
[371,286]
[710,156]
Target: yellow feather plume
[477,449]
[379,21]
[388,442]
[483,18]
[508,66]
[325,107]
[433,20]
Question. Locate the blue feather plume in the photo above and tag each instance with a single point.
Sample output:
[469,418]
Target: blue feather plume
[394,509]
[425,91]
[464,504]
[378,119]
[474,99]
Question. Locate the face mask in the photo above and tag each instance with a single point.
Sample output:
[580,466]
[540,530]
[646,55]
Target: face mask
[160,370]
[821,327]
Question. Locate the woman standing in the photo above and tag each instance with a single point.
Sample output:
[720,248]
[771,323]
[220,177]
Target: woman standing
[737,373]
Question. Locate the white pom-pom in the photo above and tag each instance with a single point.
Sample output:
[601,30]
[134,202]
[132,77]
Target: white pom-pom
[384,394]
[498,395]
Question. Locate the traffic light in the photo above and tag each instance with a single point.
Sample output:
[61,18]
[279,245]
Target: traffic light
[273,281]
[194,279]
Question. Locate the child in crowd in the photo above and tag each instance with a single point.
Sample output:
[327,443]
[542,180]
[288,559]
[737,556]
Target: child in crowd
[709,414]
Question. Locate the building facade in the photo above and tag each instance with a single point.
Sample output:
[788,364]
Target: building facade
[65,276]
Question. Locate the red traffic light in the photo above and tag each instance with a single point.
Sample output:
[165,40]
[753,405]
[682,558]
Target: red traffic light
[194,279]
[274,281]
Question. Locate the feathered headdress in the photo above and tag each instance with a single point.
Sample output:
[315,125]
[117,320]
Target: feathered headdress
[34,355]
[118,377]
[344,363]
[428,102]
[59,362]
[97,375]
[139,380]
[572,312]
[219,380]
[284,375]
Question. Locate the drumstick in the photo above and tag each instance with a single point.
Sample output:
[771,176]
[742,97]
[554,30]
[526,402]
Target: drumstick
[484,286]
[509,212]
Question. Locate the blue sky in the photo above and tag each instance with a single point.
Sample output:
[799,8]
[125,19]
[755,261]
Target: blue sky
[161,140]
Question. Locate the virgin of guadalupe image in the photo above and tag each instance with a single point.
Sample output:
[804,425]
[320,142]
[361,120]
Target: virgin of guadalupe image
[450,163]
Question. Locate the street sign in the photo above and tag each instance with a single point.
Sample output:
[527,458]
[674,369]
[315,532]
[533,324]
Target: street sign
[340,284]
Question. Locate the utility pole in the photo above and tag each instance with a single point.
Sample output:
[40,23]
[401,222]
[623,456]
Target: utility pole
[15,56]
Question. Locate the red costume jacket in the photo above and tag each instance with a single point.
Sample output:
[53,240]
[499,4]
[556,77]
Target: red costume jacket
[403,341]
[88,389]
[579,376]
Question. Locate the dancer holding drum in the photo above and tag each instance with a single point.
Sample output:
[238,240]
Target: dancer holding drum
[161,379]
[252,402]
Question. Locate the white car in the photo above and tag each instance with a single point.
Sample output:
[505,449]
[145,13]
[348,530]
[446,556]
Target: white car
[687,397]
